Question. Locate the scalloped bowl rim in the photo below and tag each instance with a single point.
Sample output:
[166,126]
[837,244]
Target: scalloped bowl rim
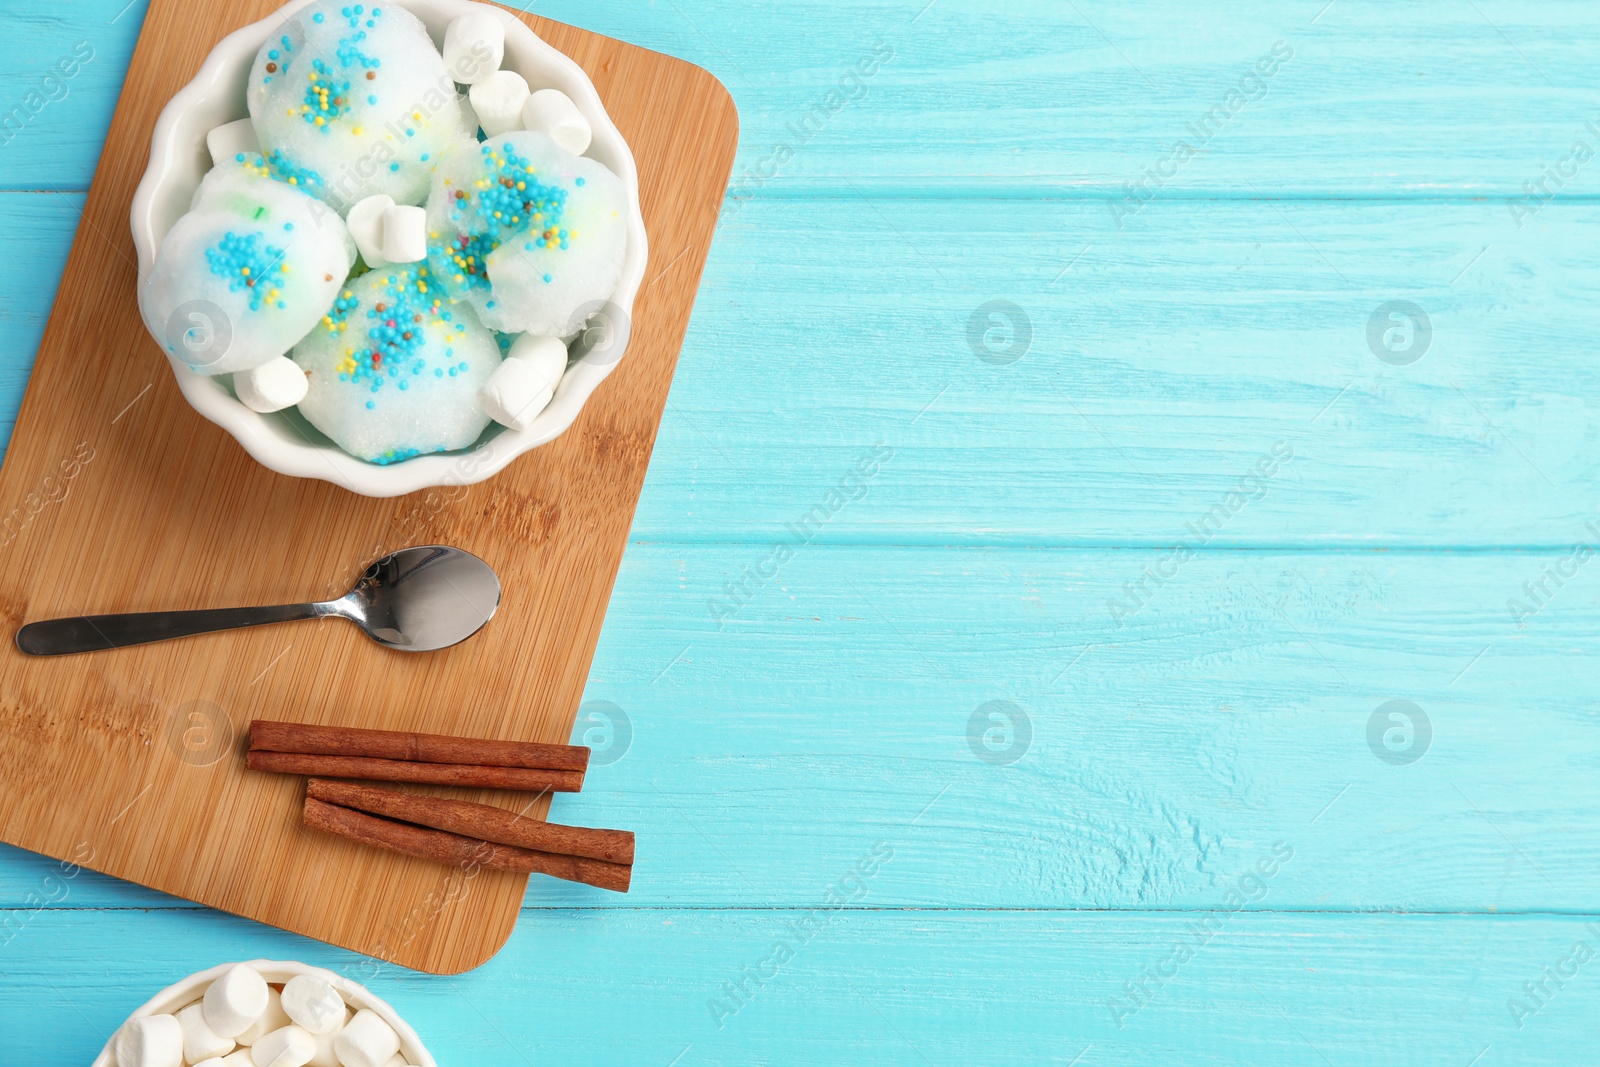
[190,989]
[266,437]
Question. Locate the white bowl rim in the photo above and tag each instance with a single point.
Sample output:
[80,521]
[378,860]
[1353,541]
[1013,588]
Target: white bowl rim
[305,459]
[190,989]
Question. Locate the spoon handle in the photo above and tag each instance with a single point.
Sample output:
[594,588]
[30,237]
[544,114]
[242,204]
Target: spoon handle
[95,633]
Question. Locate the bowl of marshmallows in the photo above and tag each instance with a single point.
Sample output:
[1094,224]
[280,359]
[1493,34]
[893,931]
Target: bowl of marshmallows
[391,245]
[265,1014]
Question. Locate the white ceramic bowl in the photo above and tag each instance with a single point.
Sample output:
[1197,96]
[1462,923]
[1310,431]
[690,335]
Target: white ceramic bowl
[284,441]
[192,988]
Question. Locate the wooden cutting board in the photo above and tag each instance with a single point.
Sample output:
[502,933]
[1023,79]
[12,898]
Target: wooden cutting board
[116,496]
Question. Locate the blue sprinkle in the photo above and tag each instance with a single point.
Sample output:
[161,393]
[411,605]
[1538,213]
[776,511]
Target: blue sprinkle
[580,181]
[424,157]
[239,158]
[528,247]
[452,372]
[345,12]
[317,17]
[403,385]
[288,225]
[411,133]
[394,166]
[370,24]
[372,99]
[438,374]
[272,54]
[358,9]
[370,405]
[547,278]
[462,366]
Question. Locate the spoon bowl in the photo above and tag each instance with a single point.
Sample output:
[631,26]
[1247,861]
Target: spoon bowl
[415,600]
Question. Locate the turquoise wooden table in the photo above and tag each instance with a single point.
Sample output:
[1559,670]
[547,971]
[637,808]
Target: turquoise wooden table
[1115,584]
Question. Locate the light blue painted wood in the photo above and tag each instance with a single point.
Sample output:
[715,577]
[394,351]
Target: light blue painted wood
[1164,360]
[1172,347]
[889,987]
[1169,359]
[1042,96]
[834,709]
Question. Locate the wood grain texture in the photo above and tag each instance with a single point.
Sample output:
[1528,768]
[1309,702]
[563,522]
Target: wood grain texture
[765,758]
[109,461]
[893,987]
[1229,714]
[1050,99]
[1170,357]
[1164,360]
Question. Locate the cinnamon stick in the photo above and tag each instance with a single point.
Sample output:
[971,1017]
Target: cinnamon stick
[306,738]
[457,851]
[387,770]
[477,821]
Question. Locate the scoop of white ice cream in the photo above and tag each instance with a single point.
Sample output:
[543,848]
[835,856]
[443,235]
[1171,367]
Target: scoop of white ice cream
[359,97]
[247,273]
[527,233]
[395,370]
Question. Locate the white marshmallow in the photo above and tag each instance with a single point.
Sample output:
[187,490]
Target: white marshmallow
[468,115]
[405,234]
[365,223]
[289,1046]
[325,1055]
[474,46]
[498,101]
[366,1041]
[552,112]
[238,1058]
[273,1018]
[313,1004]
[275,385]
[235,1000]
[525,382]
[151,1041]
[199,1043]
[228,140]
[546,355]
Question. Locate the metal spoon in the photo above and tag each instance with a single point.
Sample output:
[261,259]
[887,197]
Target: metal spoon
[417,600]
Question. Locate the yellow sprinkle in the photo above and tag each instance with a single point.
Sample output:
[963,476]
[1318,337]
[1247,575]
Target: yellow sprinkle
[244,270]
[322,121]
[417,115]
[356,131]
[296,181]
